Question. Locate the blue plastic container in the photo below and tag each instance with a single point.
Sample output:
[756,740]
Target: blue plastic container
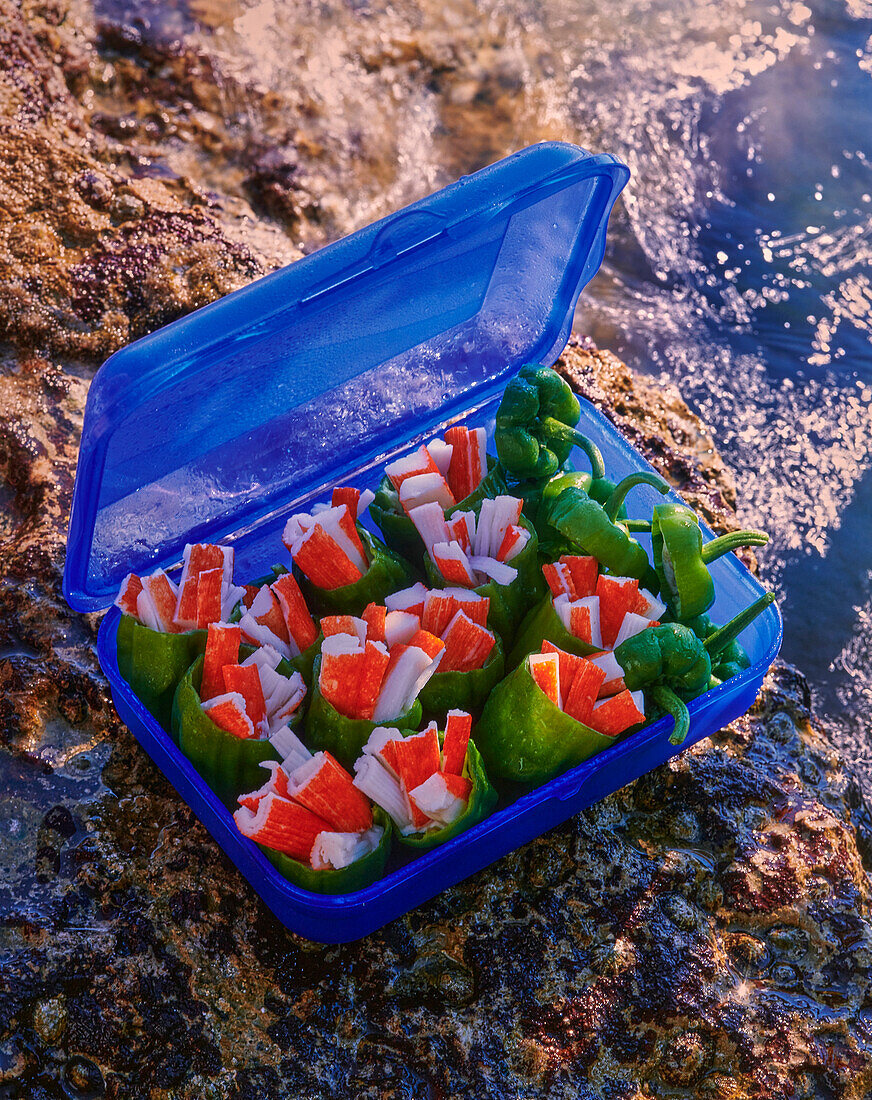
[220,425]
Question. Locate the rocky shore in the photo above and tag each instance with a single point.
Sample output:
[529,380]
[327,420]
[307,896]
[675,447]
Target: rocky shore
[705,932]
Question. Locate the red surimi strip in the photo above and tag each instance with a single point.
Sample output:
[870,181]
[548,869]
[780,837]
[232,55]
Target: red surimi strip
[377,782]
[617,596]
[413,759]
[579,699]
[441,453]
[267,610]
[324,562]
[375,665]
[256,634]
[558,579]
[458,727]
[407,667]
[276,784]
[222,648]
[348,525]
[429,521]
[614,674]
[631,625]
[130,588]
[344,494]
[301,626]
[420,462]
[198,557]
[545,670]
[245,679]
[409,599]
[581,618]
[514,541]
[228,713]
[430,644]
[281,824]
[467,645]
[209,591]
[342,664]
[323,786]
[613,716]
[375,615]
[458,475]
[156,603]
[568,662]
[344,624]
[453,564]
[459,531]
[583,571]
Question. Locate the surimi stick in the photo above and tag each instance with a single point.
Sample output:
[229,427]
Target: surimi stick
[301,626]
[156,603]
[458,727]
[323,786]
[545,670]
[130,588]
[281,824]
[228,713]
[409,599]
[222,648]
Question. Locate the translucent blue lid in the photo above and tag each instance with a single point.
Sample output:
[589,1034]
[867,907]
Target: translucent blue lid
[206,429]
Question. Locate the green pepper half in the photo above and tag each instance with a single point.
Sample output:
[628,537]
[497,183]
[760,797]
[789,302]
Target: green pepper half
[346,880]
[153,663]
[467,691]
[482,799]
[523,736]
[345,737]
[229,764]
[387,573]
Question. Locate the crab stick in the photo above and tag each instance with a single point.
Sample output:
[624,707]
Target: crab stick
[410,600]
[338,850]
[467,645]
[156,603]
[420,462]
[199,558]
[344,624]
[376,782]
[458,727]
[375,617]
[281,824]
[222,648]
[453,564]
[128,594]
[441,797]
[301,626]
[580,697]
[245,680]
[228,713]
[545,670]
[323,786]
[614,715]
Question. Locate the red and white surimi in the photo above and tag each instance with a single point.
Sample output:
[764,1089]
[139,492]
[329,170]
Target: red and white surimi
[128,593]
[289,747]
[453,563]
[442,604]
[323,786]
[458,727]
[408,671]
[197,559]
[400,627]
[301,626]
[376,782]
[281,824]
[409,599]
[441,453]
[581,618]
[222,648]
[429,521]
[342,659]
[545,670]
[228,713]
[277,783]
[618,713]
[468,459]
[559,579]
[420,462]
[441,798]
[580,696]
[498,571]
[266,610]
[245,680]
[467,645]
[156,603]
[514,541]
[648,605]
[375,616]
[258,634]
[344,624]
[614,674]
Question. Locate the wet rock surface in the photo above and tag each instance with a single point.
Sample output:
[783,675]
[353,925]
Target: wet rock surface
[704,932]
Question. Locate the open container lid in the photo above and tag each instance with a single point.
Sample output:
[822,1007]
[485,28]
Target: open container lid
[208,428]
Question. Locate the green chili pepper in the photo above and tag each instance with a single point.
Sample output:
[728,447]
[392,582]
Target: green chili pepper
[523,736]
[508,602]
[541,623]
[535,425]
[387,573]
[363,872]
[400,533]
[467,691]
[591,528]
[345,737]
[482,799]
[681,559]
[673,665]
[153,663]
[229,764]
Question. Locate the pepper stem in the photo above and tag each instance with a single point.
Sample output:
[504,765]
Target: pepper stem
[667,699]
[717,642]
[636,524]
[558,430]
[613,505]
[723,545]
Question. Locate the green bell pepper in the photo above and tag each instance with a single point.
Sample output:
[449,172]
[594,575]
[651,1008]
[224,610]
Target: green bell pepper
[467,691]
[523,736]
[681,559]
[346,880]
[229,764]
[401,535]
[508,602]
[345,737]
[592,528]
[482,799]
[541,623]
[535,425]
[153,663]
[387,573]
